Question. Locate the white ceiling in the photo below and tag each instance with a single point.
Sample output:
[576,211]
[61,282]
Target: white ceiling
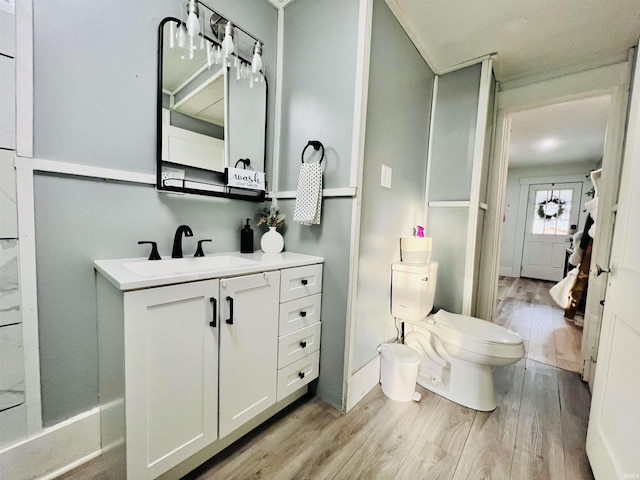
[528,37]
[571,132]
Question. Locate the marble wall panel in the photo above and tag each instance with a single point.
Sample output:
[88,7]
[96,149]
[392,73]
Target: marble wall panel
[8,218]
[11,366]
[9,289]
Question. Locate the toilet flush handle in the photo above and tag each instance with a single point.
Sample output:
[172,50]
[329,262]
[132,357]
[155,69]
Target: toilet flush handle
[425,279]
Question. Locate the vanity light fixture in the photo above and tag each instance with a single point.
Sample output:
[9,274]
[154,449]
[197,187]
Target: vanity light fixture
[223,47]
[193,18]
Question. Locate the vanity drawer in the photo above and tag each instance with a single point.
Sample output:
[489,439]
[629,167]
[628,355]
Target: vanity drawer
[300,282]
[298,374]
[299,313]
[297,344]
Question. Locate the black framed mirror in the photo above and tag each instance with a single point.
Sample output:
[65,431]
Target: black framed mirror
[211,109]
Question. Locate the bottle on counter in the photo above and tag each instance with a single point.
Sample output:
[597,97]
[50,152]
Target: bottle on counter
[246,239]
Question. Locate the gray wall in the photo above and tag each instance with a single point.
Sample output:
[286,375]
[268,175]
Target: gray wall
[318,87]
[454,133]
[317,104]
[95,69]
[451,168]
[398,116]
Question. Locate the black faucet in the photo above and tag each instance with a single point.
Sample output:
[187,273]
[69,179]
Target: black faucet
[177,240]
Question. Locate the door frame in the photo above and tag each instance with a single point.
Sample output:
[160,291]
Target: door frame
[610,80]
[521,222]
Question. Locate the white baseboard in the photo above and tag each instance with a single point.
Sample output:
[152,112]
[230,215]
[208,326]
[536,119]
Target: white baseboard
[507,272]
[362,382]
[55,451]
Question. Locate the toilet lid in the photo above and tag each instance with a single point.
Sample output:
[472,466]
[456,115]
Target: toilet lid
[398,352]
[475,328]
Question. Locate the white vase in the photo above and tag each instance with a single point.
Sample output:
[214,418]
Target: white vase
[272,241]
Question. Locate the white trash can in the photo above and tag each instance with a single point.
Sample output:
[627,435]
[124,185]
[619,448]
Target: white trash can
[399,372]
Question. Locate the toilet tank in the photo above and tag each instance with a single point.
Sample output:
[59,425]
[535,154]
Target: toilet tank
[413,287]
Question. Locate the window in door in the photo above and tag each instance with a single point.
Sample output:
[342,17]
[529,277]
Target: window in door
[552,212]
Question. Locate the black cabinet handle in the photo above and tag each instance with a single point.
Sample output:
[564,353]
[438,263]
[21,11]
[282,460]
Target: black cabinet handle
[230,319]
[154,255]
[214,305]
[303,344]
[303,314]
[301,374]
[304,281]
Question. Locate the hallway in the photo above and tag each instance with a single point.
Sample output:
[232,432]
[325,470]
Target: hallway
[525,306]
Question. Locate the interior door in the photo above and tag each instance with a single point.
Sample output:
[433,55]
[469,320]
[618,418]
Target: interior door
[614,422]
[552,216]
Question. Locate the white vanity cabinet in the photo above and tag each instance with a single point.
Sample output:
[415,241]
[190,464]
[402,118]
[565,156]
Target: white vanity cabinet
[248,347]
[187,367]
[170,341]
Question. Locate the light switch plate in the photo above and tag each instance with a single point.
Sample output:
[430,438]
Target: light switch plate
[385,176]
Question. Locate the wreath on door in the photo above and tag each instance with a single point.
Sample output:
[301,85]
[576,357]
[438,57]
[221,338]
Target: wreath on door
[551,208]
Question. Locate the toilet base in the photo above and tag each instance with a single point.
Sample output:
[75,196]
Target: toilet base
[470,385]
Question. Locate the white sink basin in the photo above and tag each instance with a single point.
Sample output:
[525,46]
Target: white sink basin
[186,265]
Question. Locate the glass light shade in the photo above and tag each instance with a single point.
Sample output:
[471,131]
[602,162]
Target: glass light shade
[181,36]
[210,60]
[193,25]
[172,35]
[256,63]
[227,43]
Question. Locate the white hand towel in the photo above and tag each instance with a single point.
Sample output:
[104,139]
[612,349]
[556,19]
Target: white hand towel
[309,195]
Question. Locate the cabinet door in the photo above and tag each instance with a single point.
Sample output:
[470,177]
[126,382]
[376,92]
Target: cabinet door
[248,347]
[171,370]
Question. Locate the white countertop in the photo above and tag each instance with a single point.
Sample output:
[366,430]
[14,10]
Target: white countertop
[125,278]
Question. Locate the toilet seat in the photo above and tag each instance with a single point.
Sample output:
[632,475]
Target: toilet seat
[477,336]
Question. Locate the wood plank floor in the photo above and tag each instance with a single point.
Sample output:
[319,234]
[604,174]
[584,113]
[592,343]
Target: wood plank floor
[537,432]
[525,306]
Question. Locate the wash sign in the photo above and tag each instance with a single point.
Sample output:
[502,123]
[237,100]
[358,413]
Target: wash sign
[241,178]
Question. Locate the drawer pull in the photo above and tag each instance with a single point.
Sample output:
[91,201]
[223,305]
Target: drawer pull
[301,374]
[303,344]
[214,305]
[303,314]
[230,319]
[304,281]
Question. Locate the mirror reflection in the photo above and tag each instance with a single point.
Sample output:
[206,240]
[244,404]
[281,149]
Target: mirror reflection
[193,103]
[212,103]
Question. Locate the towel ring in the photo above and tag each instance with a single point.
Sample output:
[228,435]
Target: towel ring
[317,145]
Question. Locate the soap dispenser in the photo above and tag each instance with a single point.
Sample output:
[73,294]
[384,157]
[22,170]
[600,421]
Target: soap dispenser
[246,239]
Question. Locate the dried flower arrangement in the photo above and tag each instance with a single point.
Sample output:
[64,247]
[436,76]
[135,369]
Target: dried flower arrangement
[270,217]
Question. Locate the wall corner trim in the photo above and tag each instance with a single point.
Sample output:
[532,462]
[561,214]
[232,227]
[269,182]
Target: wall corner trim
[362,382]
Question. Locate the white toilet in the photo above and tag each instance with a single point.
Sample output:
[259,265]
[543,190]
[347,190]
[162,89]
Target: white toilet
[457,352]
